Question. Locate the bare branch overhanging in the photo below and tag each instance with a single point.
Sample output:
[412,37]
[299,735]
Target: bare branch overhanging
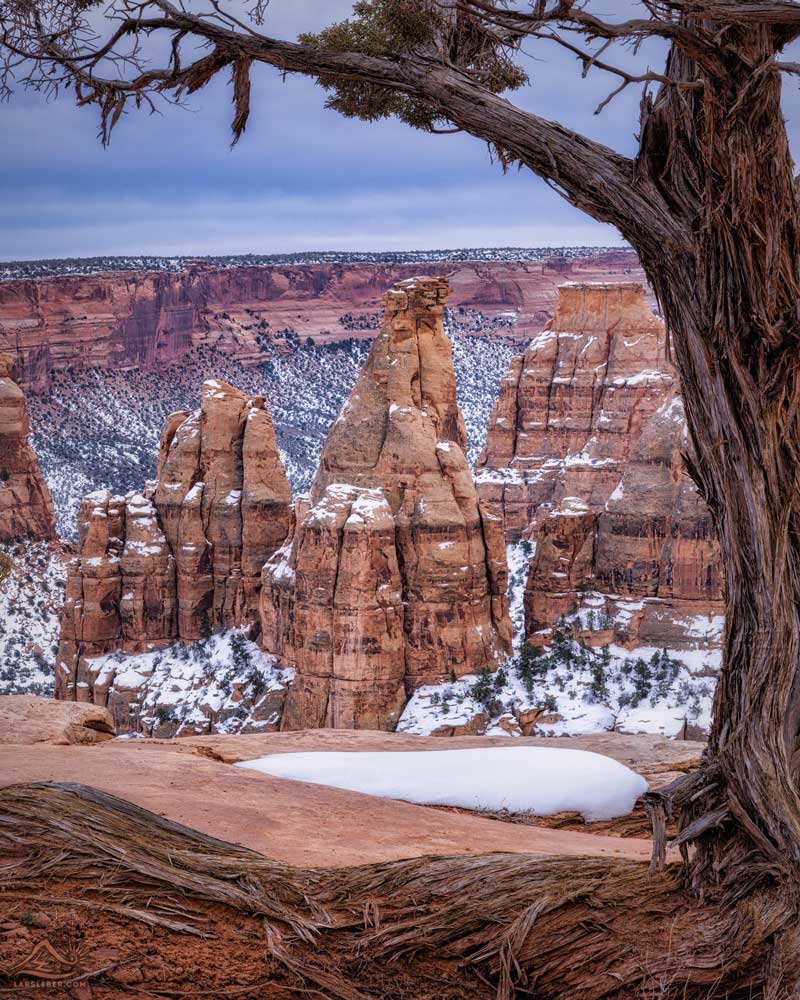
[49,45]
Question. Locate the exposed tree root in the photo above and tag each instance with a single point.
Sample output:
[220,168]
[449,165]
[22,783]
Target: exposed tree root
[497,924]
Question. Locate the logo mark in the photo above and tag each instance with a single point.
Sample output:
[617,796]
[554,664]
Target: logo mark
[45,961]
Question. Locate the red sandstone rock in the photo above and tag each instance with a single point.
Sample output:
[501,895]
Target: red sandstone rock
[571,410]
[26,507]
[183,557]
[583,455]
[564,562]
[140,319]
[28,719]
[395,575]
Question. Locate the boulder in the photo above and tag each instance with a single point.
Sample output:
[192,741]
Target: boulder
[26,719]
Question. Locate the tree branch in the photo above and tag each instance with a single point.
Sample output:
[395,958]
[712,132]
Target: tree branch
[592,177]
[694,41]
[592,60]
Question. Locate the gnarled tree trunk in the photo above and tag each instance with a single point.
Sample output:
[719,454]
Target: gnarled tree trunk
[729,290]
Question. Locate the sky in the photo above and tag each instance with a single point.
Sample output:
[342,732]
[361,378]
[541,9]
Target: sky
[302,177]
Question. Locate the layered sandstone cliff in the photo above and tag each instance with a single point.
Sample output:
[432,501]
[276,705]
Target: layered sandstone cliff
[571,409]
[584,457]
[395,575]
[26,507]
[183,557]
[647,564]
[144,319]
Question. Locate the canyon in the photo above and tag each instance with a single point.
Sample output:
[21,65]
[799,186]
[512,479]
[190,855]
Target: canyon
[206,600]
[140,319]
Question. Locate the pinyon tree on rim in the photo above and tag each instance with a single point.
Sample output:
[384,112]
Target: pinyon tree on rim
[710,203]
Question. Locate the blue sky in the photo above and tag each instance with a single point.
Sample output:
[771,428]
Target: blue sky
[301,178]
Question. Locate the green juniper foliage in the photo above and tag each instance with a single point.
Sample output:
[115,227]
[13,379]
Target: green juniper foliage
[391,27]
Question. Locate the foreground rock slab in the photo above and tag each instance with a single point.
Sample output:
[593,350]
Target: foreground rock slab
[294,822]
[26,719]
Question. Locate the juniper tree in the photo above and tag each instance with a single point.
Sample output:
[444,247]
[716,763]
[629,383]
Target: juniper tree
[710,204]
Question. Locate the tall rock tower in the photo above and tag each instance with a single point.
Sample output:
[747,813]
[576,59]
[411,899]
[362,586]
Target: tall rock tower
[26,507]
[183,557]
[584,458]
[571,409]
[395,575]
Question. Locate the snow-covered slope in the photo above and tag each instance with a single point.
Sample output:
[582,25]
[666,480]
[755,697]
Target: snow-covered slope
[223,684]
[572,686]
[30,604]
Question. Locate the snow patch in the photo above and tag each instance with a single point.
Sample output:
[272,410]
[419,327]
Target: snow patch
[535,780]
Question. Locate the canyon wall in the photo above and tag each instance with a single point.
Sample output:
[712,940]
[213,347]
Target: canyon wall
[144,319]
[26,507]
[395,574]
[583,457]
[183,557]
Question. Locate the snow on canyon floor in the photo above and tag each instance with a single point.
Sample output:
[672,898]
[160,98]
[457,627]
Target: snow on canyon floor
[522,780]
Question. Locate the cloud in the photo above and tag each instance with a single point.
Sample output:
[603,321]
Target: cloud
[302,177]
[467,215]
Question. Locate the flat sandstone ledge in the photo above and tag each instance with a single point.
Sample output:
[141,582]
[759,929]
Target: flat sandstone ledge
[298,823]
[655,757]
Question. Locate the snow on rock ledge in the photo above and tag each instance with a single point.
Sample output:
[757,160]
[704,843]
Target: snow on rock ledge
[533,780]
[221,684]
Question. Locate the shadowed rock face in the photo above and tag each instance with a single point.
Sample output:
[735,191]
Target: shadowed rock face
[584,456]
[395,575]
[183,557]
[26,507]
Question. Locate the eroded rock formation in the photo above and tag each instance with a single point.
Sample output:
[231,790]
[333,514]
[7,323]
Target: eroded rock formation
[649,558]
[395,575]
[584,457]
[26,507]
[571,409]
[183,557]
